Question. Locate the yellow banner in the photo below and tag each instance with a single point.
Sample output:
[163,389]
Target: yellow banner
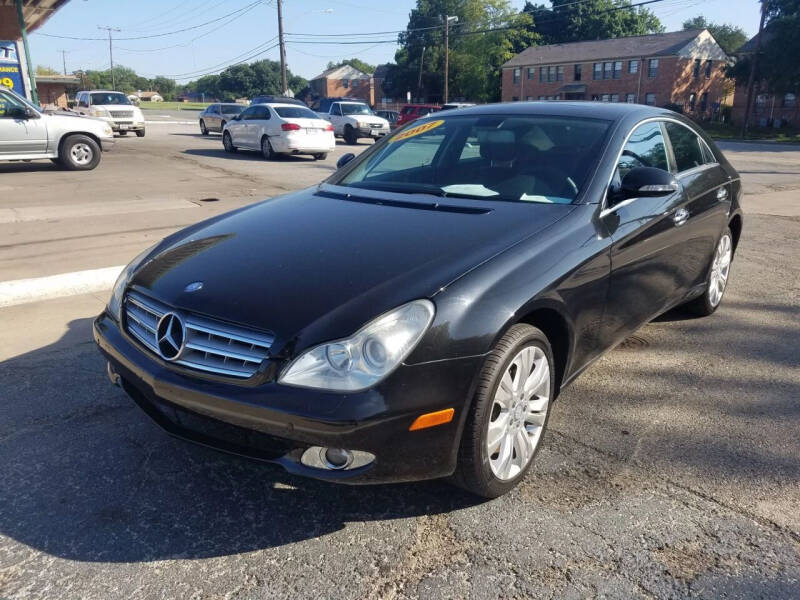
[418,130]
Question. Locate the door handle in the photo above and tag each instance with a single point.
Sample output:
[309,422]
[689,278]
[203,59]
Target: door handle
[722,194]
[680,217]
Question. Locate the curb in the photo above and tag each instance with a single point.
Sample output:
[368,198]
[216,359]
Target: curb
[24,291]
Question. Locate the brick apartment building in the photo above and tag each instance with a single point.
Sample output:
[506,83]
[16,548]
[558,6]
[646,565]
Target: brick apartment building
[686,68]
[343,81]
[768,109]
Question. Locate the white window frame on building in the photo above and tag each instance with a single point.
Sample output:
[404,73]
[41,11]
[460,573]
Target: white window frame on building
[652,68]
[648,97]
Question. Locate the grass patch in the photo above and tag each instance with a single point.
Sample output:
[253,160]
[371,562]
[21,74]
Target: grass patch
[173,105]
[726,131]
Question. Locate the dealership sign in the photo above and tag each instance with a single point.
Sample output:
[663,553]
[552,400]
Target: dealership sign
[10,71]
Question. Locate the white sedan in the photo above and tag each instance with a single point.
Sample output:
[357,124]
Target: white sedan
[279,129]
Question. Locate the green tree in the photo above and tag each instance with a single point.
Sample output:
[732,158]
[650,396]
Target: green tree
[778,65]
[477,51]
[245,81]
[355,63]
[43,70]
[729,37]
[570,21]
[164,86]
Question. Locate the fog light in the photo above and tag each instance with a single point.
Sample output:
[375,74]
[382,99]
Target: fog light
[337,458]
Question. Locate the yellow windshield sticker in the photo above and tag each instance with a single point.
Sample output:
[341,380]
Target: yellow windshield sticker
[418,130]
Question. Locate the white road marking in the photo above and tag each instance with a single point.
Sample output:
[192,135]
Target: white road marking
[24,214]
[24,291]
[171,122]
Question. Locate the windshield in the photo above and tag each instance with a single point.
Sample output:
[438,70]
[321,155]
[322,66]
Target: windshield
[294,112]
[108,98]
[355,109]
[512,158]
[9,102]
[232,109]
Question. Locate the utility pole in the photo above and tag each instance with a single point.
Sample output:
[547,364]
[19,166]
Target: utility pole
[419,79]
[753,67]
[31,76]
[64,60]
[284,84]
[111,54]
[447,20]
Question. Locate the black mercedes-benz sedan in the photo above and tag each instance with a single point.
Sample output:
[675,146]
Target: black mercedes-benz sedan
[416,314]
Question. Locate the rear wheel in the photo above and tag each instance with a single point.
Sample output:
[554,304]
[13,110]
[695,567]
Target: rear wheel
[203,128]
[140,133]
[266,149]
[717,278]
[321,156]
[227,142]
[79,153]
[350,135]
[509,414]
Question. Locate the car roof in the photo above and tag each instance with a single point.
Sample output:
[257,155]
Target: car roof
[351,101]
[284,105]
[612,111]
[102,92]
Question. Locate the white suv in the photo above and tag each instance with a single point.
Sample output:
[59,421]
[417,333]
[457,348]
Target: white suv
[112,107]
[353,120]
[26,133]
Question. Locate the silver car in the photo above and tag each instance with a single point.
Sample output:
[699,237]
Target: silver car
[216,116]
[70,140]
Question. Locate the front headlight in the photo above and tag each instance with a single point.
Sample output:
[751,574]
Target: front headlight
[362,360]
[115,302]
[107,131]
[100,112]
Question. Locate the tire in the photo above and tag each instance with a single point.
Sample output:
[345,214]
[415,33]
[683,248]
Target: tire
[266,149]
[480,470]
[321,156]
[79,153]
[121,133]
[140,133]
[227,142]
[203,128]
[718,276]
[350,135]
[57,161]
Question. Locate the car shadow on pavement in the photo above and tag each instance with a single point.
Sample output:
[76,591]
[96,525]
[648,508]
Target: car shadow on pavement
[85,475]
[35,166]
[246,155]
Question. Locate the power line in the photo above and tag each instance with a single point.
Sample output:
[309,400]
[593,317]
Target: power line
[155,35]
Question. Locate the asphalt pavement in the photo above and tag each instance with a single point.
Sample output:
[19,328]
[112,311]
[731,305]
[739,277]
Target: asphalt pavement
[670,469]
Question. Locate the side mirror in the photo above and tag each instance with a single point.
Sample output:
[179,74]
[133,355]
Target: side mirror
[237,118]
[647,182]
[30,113]
[346,158]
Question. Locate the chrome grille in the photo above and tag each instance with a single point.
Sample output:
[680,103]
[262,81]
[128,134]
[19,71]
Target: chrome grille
[121,114]
[210,345]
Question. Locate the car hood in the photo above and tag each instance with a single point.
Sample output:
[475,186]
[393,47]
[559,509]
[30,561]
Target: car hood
[318,264]
[369,119]
[67,121]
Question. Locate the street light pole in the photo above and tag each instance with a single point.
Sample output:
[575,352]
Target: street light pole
[111,54]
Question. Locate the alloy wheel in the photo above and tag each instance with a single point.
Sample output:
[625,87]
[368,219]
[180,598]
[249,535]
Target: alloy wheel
[81,153]
[518,413]
[720,269]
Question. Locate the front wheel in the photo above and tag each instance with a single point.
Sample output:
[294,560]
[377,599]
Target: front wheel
[350,135]
[717,282]
[140,133]
[321,156]
[509,414]
[203,128]
[227,142]
[79,153]
[122,133]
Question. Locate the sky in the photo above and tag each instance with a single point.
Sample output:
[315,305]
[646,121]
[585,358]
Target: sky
[249,31]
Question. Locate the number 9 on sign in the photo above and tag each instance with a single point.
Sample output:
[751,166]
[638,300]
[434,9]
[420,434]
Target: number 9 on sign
[8,82]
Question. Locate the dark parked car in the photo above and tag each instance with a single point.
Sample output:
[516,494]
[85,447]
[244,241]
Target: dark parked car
[416,315]
[389,115]
[216,116]
[277,100]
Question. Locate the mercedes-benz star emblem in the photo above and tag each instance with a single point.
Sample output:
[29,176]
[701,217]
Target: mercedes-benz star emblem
[170,336]
[194,287]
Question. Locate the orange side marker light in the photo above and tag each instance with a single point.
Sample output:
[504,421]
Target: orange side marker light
[440,417]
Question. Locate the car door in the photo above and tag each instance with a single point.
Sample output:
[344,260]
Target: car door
[238,128]
[258,125]
[82,103]
[647,237]
[212,117]
[20,133]
[708,190]
[337,118]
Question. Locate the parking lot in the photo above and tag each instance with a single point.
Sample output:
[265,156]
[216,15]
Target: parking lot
[670,468]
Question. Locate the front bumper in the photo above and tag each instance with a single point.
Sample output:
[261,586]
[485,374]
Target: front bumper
[375,133]
[277,423]
[124,124]
[107,144]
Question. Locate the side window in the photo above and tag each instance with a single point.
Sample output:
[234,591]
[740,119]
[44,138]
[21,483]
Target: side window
[336,109]
[264,113]
[82,100]
[10,107]
[249,114]
[685,146]
[645,148]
